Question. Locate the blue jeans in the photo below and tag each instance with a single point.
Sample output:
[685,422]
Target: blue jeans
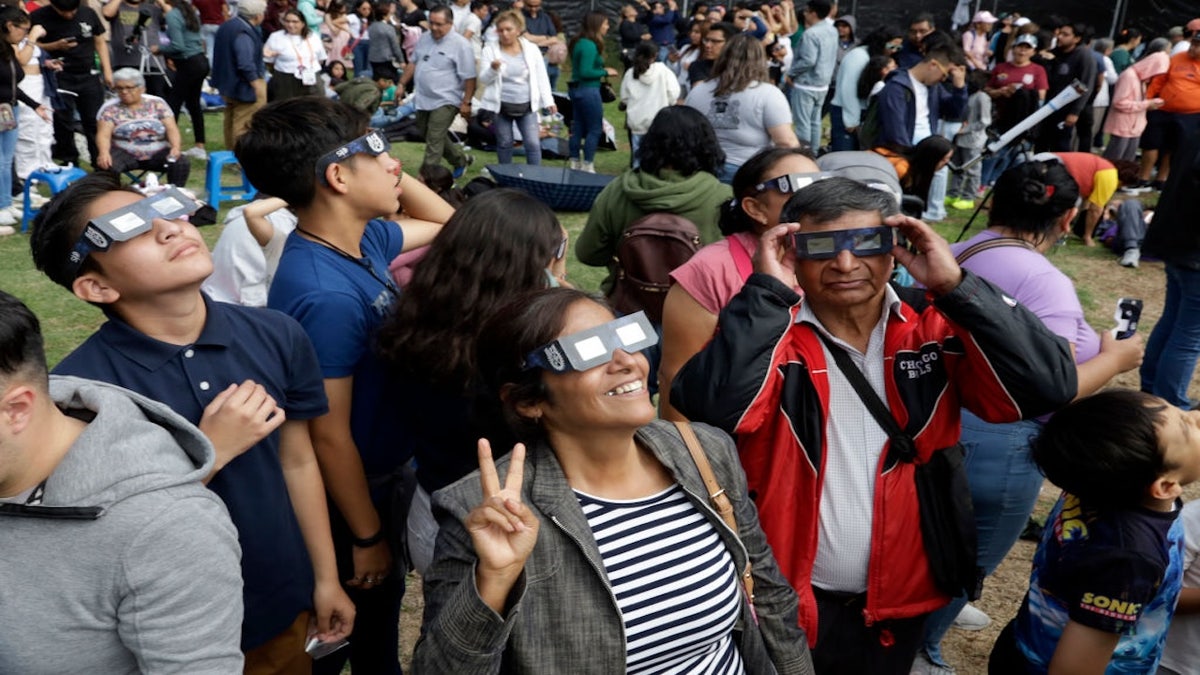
[529,138]
[208,32]
[1174,343]
[552,72]
[806,114]
[1004,487]
[386,116]
[361,65]
[587,122]
[840,140]
[635,142]
[8,149]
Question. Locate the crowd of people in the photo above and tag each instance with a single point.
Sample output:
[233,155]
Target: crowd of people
[373,373]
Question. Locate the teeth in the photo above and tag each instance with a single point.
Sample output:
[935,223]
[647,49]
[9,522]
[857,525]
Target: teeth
[626,388]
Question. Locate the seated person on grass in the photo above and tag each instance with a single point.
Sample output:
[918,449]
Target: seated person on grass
[1108,570]
[247,377]
[345,189]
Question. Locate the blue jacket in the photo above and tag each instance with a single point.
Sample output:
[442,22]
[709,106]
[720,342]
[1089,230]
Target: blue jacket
[898,108]
[237,60]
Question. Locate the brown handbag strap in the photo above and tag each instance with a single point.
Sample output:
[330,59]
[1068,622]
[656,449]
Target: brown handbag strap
[716,495]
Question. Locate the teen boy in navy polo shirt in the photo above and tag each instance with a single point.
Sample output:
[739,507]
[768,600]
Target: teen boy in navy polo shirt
[236,372]
[333,278]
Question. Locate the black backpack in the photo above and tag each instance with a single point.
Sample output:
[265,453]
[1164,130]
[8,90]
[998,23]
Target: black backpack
[649,249]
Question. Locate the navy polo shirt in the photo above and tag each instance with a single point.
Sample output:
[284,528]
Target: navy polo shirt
[341,302]
[236,344]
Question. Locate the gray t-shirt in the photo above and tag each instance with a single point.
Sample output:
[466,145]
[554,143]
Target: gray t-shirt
[741,119]
[442,67]
[515,88]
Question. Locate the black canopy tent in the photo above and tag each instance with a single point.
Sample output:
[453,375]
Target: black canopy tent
[1153,17]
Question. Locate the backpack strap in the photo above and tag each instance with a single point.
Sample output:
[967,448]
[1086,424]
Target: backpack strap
[741,257]
[992,243]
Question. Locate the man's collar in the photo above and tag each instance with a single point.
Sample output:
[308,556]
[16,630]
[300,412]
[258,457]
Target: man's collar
[153,354]
[891,304]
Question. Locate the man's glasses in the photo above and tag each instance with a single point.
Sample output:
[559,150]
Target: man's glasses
[374,143]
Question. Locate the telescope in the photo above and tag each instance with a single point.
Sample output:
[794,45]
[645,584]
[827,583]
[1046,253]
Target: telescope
[1064,98]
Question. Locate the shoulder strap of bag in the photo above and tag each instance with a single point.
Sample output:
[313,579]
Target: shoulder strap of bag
[875,405]
[716,495]
[741,257]
[992,243]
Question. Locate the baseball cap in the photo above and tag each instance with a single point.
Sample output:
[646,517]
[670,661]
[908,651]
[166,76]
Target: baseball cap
[865,167]
[1022,21]
[984,16]
[1026,39]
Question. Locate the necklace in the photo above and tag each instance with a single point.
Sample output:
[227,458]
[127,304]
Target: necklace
[363,262]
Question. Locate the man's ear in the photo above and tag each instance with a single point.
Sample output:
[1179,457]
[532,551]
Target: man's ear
[1165,487]
[16,408]
[336,177]
[94,288]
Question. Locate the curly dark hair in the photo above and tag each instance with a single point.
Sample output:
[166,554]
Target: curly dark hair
[1031,197]
[496,246]
[680,138]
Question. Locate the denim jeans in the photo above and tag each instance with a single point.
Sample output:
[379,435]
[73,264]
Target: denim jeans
[840,140]
[587,122]
[1004,487]
[362,66]
[806,114]
[635,142]
[552,72]
[1174,343]
[528,124]
[8,148]
[208,31]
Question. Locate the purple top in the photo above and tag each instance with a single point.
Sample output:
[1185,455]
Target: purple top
[1036,283]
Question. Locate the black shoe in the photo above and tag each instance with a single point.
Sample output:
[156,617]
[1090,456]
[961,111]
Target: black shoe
[1157,185]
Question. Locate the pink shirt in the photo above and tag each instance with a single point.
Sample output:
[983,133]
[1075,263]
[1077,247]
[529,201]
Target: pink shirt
[712,276]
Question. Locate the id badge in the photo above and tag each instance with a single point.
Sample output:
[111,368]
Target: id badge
[308,78]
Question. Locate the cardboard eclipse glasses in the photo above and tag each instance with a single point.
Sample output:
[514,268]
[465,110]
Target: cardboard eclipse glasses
[595,346]
[373,143]
[864,241]
[128,222]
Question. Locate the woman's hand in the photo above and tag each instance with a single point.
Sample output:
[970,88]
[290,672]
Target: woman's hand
[1126,354]
[103,159]
[611,71]
[503,530]
[43,111]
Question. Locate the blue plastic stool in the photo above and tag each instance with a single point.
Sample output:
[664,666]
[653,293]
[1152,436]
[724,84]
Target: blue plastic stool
[212,181]
[57,177]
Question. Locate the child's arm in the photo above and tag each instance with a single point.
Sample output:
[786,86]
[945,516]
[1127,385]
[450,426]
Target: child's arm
[422,213]
[255,214]
[333,608]
[1189,602]
[1083,651]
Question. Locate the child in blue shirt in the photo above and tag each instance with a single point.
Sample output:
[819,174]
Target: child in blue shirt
[1108,570]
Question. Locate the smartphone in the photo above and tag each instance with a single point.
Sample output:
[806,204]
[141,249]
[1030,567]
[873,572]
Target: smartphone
[1129,310]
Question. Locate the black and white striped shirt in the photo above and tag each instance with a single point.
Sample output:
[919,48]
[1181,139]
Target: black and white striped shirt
[674,582]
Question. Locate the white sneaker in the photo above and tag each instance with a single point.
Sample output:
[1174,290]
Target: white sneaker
[971,618]
[7,218]
[16,209]
[576,165]
[1131,257]
[197,153]
[588,167]
[6,230]
[37,201]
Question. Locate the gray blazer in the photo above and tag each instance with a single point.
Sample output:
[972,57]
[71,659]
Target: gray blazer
[562,616]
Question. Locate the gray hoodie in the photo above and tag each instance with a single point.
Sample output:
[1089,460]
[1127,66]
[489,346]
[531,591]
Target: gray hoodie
[129,564]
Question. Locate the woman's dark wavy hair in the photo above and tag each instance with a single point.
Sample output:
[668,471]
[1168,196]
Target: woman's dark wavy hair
[1104,448]
[590,30]
[17,17]
[923,160]
[680,138]
[644,56]
[528,322]
[496,246]
[756,170]
[1032,196]
[876,41]
[191,16]
[872,73]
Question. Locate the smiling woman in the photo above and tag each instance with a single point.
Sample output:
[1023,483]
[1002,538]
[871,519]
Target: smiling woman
[624,496]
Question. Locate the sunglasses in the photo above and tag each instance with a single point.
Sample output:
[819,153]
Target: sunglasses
[595,346]
[374,143]
[128,222]
[791,182]
[862,242]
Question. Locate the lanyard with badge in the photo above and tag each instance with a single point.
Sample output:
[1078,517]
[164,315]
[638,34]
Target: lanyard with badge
[307,74]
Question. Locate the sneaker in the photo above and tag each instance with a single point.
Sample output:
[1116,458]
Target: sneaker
[950,199]
[196,153]
[576,165]
[16,209]
[6,230]
[460,170]
[961,204]
[7,218]
[1131,257]
[922,665]
[971,618]
[37,201]
[588,167]
[1157,185]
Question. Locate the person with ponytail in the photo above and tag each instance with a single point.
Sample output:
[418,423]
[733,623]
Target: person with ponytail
[707,282]
[648,87]
[1033,206]
[188,60]
[16,25]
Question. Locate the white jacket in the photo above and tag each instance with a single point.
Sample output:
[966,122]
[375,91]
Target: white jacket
[540,93]
[644,96]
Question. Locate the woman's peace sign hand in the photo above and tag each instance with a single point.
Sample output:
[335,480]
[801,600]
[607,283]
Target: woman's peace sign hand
[503,530]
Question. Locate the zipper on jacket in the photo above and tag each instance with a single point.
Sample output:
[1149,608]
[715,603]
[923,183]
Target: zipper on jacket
[599,568]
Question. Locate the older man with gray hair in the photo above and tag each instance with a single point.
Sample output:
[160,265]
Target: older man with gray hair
[238,71]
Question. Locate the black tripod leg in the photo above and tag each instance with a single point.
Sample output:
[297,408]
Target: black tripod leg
[983,202]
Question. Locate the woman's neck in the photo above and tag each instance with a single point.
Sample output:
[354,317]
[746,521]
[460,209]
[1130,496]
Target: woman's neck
[611,465]
[1041,242]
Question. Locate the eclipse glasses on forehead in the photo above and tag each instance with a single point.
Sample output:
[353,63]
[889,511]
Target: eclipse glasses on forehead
[593,347]
[374,143]
[861,242]
[791,182]
[128,222]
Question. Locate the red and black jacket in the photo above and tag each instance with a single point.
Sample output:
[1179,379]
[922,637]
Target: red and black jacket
[764,379]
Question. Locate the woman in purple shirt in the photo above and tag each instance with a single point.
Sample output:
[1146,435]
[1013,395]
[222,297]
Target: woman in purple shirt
[1032,209]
